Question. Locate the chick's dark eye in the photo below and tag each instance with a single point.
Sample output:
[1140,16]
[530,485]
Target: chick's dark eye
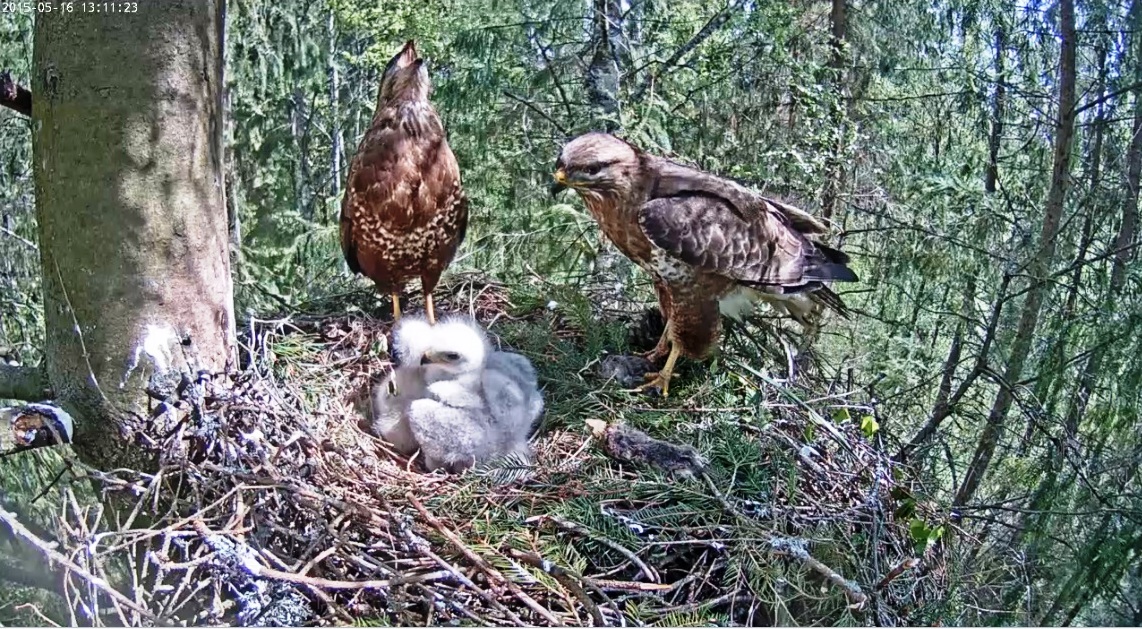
[451,356]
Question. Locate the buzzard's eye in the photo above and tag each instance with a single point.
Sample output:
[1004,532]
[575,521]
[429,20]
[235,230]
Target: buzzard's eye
[451,356]
[594,169]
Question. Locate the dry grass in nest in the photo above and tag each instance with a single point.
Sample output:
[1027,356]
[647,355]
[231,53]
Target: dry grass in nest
[273,506]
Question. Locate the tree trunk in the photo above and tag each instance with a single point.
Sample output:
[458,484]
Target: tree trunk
[1055,368]
[131,212]
[1123,245]
[834,163]
[999,105]
[232,176]
[1040,264]
[603,72]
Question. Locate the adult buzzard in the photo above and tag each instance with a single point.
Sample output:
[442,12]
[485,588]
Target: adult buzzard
[702,238]
[404,213]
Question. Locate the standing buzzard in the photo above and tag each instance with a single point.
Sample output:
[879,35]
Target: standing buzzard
[702,238]
[404,213]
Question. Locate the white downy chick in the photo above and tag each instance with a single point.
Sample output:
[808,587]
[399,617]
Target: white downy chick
[455,398]
[508,385]
[514,399]
[451,421]
[393,396]
[480,403]
[411,338]
[391,401]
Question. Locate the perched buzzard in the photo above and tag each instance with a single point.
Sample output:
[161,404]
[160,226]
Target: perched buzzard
[404,213]
[702,238]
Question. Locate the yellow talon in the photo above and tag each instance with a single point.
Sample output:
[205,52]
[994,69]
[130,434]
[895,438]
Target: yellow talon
[661,379]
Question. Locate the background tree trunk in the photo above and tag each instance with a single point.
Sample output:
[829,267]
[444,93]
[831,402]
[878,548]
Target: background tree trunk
[130,205]
[834,163]
[1123,243]
[603,72]
[999,105]
[1040,263]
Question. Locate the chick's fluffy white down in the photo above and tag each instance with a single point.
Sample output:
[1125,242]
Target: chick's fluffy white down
[455,398]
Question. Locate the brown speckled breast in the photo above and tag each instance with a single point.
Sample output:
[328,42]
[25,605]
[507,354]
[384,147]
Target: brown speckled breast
[404,214]
[688,298]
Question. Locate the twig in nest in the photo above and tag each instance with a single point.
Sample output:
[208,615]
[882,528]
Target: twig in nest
[466,582]
[633,586]
[237,556]
[900,569]
[35,609]
[569,579]
[802,453]
[52,554]
[796,548]
[575,527]
[479,561]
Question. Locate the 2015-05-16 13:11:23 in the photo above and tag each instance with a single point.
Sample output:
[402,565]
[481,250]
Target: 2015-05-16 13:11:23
[69,7]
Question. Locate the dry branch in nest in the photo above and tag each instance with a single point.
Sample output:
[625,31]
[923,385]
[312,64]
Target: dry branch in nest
[272,507]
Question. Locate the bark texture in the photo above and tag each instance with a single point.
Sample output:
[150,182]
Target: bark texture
[131,212]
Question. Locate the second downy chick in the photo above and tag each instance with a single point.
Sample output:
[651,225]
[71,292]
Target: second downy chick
[463,403]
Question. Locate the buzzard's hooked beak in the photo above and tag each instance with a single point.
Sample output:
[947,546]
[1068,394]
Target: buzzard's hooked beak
[428,359]
[408,53]
[560,183]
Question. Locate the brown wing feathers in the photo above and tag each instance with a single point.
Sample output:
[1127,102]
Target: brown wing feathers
[705,232]
[671,179]
[348,245]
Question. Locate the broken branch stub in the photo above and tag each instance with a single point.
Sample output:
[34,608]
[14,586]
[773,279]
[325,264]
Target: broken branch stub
[34,426]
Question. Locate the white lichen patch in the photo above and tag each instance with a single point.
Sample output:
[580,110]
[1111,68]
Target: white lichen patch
[156,344]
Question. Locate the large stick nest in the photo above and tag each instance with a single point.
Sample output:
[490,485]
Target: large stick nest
[272,506]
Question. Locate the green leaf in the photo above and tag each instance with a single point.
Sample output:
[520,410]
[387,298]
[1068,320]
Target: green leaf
[869,426]
[919,530]
[841,415]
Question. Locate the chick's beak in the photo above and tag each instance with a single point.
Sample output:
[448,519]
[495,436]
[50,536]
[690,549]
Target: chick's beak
[428,358]
[560,183]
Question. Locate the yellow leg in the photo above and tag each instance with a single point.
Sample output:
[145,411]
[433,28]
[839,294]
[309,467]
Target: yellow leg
[662,378]
[429,309]
[662,348]
[396,307]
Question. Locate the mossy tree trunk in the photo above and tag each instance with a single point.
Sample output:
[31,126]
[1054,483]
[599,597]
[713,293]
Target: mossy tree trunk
[131,212]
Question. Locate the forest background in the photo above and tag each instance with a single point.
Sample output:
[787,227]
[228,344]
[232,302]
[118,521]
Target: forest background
[980,159]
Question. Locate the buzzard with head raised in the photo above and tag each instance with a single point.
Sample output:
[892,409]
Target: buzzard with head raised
[404,214]
[704,240]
